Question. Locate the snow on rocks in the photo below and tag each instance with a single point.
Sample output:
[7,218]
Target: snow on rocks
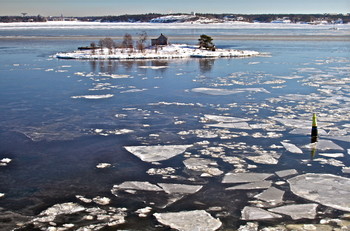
[167,52]
[158,152]
[189,220]
[299,211]
[254,214]
[326,189]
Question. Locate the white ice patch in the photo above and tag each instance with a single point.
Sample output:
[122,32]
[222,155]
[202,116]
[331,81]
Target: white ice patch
[220,91]
[93,96]
[296,212]
[157,153]
[189,220]
[291,148]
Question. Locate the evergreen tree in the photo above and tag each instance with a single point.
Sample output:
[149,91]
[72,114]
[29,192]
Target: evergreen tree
[205,42]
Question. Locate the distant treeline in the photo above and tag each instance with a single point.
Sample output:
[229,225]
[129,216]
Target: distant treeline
[224,17]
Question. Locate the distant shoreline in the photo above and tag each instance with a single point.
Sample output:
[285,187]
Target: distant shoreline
[186,37]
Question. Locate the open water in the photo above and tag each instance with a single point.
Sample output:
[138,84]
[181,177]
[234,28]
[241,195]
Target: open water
[55,136]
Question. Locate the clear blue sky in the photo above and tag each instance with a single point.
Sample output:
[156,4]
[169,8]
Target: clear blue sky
[118,7]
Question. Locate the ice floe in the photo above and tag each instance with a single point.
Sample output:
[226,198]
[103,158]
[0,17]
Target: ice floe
[298,211]
[103,165]
[287,172]
[323,145]
[136,185]
[232,178]
[226,119]
[158,152]
[326,189]
[5,161]
[255,214]
[221,91]
[291,148]
[180,188]
[93,96]
[207,167]
[252,186]
[272,195]
[189,220]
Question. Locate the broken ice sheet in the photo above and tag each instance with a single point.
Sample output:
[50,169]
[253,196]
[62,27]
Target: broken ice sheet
[220,91]
[254,214]
[225,119]
[271,195]
[299,211]
[251,186]
[287,172]
[231,178]
[158,152]
[291,148]
[136,185]
[323,145]
[189,220]
[205,166]
[93,96]
[326,189]
[239,125]
[180,188]
[5,161]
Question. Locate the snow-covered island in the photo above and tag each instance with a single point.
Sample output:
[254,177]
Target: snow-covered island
[161,52]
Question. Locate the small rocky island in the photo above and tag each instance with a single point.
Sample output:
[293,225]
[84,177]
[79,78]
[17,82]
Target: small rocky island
[160,49]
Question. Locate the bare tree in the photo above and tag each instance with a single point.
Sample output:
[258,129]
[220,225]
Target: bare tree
[107,43]
[141,42]
[93,48]
[127,41]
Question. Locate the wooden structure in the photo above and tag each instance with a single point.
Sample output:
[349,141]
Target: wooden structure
[162,40]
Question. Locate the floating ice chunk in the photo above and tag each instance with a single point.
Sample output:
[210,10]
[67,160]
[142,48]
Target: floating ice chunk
[323,145]
[254,214]
[103,165]
[346,170]
[220,91]
[240,125]
[250,226]
[300,211]
[306,131]
[333,155]
[291,148]
[93,96]
[250,186]
[136,185]
[225,119]
[83,199]
[134,90]
[263,159]
[189,220]
[50,214]
[101,200]
[326,189]
[156,153]
[180,188]
[331,161]
[144,211]
[287,172]
[5,161]
[271,195]
[203,165]
[2,195]
[231,178]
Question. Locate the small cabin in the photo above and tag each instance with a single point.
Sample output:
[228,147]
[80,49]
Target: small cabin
[162,40]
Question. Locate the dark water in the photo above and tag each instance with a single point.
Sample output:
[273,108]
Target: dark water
[52,140]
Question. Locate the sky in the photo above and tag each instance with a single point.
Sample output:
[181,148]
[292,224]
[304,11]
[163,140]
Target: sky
[120,7]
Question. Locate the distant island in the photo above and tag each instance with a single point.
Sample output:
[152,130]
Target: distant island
[160,48]
[193,18]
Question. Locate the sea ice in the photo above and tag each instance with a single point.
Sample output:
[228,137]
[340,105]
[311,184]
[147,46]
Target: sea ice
[263,159]
[180,188]
[271,195]
[2,195]
[103,165]
[239,125]
[5,161]
[136,185]
[189,220]
[326,189]
[291,148]
[299,211]
[203,165]
[254,214]
[157,153]
[101,200]
[333,155]
[287,172]
[220,91]
[250,226]
[231,178]
[323,145]
[93,96]
[251,186]
[225,119]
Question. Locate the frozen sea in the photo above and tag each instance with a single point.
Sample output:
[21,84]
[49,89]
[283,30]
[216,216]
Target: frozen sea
[85,140]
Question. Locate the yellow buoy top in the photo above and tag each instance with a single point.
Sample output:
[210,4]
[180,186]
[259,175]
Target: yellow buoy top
[314,120]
